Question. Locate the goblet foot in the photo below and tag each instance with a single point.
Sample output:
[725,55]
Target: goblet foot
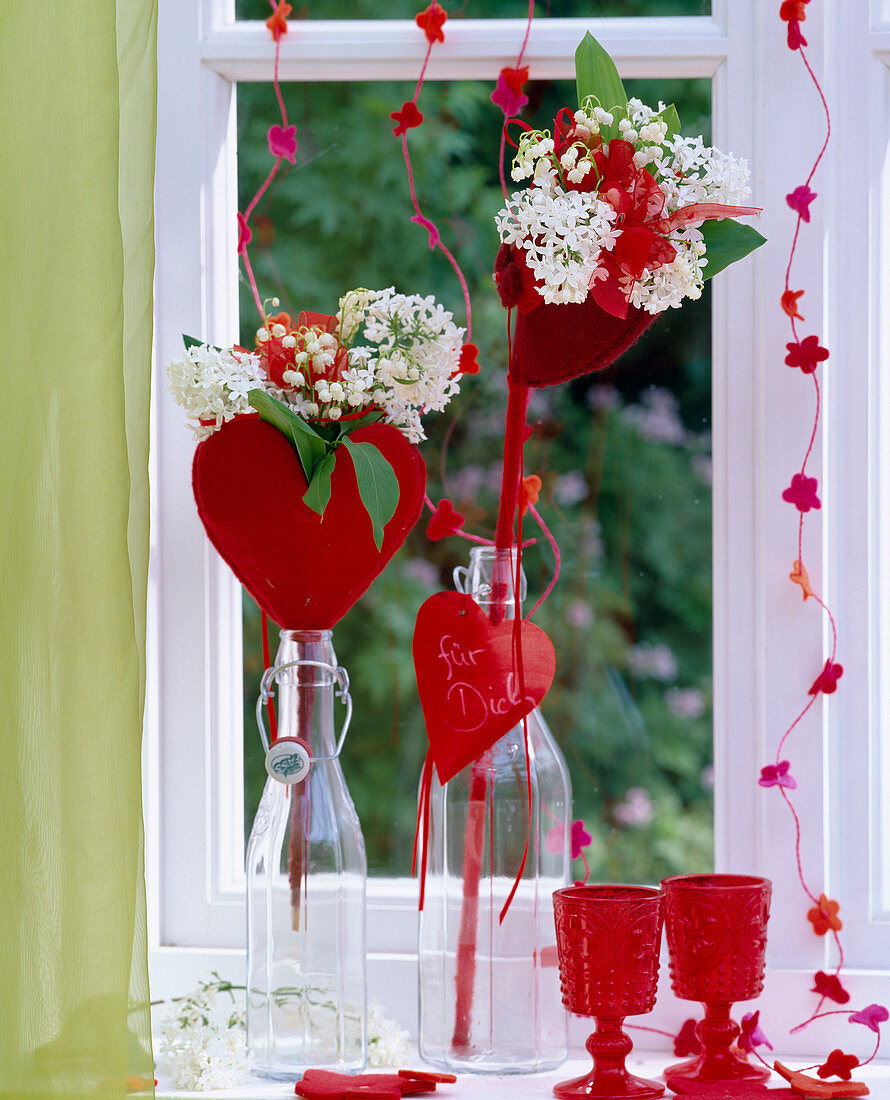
[711,1068]
[611,1086]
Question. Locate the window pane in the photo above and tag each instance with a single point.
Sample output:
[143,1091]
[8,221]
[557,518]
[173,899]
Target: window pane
[478,9]
[624,456]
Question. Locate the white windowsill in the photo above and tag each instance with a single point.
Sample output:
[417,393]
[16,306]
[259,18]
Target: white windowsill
[531,1087]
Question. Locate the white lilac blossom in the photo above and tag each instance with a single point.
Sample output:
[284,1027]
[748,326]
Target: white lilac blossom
[388,1044]
[563,233]
[212,385]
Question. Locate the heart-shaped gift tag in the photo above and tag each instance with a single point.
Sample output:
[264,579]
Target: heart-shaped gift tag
[554,343]
[467,678]
[303,570]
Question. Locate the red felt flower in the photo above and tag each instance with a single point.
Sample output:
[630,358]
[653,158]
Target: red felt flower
[802,493]
[789,303]
[829,985]
[277,22]
[244,234]
[407,118]
[794,12]
[823,917]
[838,1064]
[807,354]
[826,681]
[444,521]
[283,142]
[799,200]
[468,363]
[508,93]
[580,838]
[778,775]
[751,1035]
[431,21]
[686,1041]
[529,491]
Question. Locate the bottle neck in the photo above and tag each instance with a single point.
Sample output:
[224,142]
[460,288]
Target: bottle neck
[492,582]
[305,692]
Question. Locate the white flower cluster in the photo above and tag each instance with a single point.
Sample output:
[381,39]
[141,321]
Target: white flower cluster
[564,232]
[411,364]
[388,1044]
[202,1044]
[212,385]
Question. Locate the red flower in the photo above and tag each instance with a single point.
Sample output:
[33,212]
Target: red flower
[789,303]
[826,681]
[244,234]
[468,363]
[794,12]
[529,491]
[508,93]
[823,917]
[686,1041]
[802,493]
[872,1016]
[444,521]
[838,1064]
[283,142]
[807,354]
[751,1035]
[431,21]
[407,118]
[580,838]
[829,985]
[799,200]
[277,22]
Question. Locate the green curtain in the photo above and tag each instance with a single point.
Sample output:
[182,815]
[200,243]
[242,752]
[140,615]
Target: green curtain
[77,132]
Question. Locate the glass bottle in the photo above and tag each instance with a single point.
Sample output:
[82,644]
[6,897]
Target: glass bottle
[489,990]
[306,876]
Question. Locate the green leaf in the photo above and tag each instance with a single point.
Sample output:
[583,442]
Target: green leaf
[318,494]
[727,241]
[670,117]
[191,342]
[347,427]
[308,443]
[378,485]
[595,74]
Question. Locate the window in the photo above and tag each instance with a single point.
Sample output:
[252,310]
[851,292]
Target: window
[766,643]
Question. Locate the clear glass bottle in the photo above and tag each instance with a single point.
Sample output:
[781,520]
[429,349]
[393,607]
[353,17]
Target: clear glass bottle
[489,991]
[306,876]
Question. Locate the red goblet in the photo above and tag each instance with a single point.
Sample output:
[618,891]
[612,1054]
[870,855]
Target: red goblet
[716,933]
[608,939]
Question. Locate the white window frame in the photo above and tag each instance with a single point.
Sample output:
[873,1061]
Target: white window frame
[768,645]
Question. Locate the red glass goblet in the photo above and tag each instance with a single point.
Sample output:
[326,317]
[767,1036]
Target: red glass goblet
[716,933]
[608,940]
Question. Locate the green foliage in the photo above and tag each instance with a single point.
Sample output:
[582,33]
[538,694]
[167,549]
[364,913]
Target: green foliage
[727,241]
[623,457]
[596,75]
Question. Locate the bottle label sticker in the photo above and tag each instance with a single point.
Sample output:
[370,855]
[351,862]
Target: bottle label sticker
[288,760]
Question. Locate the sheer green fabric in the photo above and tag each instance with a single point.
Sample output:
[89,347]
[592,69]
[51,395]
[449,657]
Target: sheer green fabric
[77,84]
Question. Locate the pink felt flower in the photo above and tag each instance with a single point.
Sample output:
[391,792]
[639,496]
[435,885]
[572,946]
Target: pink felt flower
[407,118]
[508,93]
[799,200]
[829,985]
[686,1040]
[580,838]
[807,354]
[802,493]
[283,142]
[872,1016]
[244,234]
[444,521]
[751,1034]
[778,775]
[431,21]
[838,1064]
[826,681]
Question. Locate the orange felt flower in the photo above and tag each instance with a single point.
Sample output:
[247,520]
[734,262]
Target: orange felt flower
[431,22]
[799,575]
[824,916]
[793,9]
[277,22]
[529,491]
[789,303]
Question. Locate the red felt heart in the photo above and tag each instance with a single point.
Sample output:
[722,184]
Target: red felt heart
[554,343]
[305,572]
[467,678]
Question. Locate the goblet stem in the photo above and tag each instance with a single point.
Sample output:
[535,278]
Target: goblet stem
[717,1062]
[609,1046]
